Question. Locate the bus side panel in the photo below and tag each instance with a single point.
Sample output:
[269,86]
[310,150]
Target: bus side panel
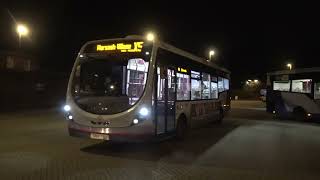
[275,102]
[317,102]
[270,100]
[183,107]
[198,113]
[293,100]
[224,98]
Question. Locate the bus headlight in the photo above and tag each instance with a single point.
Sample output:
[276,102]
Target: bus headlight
[135,121]
[144,111]
[70,117]
[67,108]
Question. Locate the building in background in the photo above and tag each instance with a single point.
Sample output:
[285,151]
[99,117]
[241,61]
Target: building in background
[17,62]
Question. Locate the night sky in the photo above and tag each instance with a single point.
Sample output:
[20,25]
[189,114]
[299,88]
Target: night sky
[250,40]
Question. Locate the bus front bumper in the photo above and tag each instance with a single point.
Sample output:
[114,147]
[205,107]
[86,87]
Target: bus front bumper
[123,134]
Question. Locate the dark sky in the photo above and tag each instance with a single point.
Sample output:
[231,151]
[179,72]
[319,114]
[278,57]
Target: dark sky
[249,39]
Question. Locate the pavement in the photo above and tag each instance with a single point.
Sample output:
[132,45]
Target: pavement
[249,144]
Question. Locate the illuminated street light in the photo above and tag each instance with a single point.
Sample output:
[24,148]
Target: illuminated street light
[22,30]
[150,37]
[211,53]
[289,65]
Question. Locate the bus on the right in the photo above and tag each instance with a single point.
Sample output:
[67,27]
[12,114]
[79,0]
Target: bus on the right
[294,94]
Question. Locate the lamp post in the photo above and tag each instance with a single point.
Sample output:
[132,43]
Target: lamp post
[22,30]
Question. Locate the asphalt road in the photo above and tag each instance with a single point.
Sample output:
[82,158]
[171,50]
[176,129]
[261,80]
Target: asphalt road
[249,144]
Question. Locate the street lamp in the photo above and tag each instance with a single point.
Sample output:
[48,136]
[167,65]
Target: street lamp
[150,36]
[211,53]
[22,30]
[289,65]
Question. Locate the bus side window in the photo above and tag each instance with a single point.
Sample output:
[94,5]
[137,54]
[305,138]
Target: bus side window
[317,90]
[183,86]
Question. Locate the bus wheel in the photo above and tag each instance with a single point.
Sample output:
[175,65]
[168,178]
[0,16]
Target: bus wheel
[182,128]
[221,116]
[299,114]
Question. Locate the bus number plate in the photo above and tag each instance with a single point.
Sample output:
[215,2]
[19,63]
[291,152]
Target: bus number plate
[99,136]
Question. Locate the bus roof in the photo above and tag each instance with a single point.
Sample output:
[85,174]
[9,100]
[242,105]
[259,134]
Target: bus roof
[295,71]
[171,49]
[191,56]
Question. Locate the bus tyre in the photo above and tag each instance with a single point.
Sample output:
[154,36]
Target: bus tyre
[299,114]
[182,128]
[221,116]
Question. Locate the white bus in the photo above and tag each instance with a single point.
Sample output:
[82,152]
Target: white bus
[130,89]
[294,93]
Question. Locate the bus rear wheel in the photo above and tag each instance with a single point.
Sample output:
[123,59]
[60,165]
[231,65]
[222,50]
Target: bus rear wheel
[299,114]
[182,128]
[221,116]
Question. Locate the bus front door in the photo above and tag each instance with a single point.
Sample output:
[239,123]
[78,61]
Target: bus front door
[165,101]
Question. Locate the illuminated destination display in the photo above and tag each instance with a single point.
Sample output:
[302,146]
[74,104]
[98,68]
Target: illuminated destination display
[120,47]
[182,70]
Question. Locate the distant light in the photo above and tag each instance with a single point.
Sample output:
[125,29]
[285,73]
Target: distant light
[81,56]
[211,53]
[150,37]
[22,30]
[67,108]
[135,121]
[289,65]
[147,53]
[249,80]
[112,87]
[70,117]
[309,115]
[144,111]
[256,81]
[273,112]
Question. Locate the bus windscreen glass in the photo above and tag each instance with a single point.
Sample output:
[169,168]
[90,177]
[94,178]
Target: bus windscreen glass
[110,83]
